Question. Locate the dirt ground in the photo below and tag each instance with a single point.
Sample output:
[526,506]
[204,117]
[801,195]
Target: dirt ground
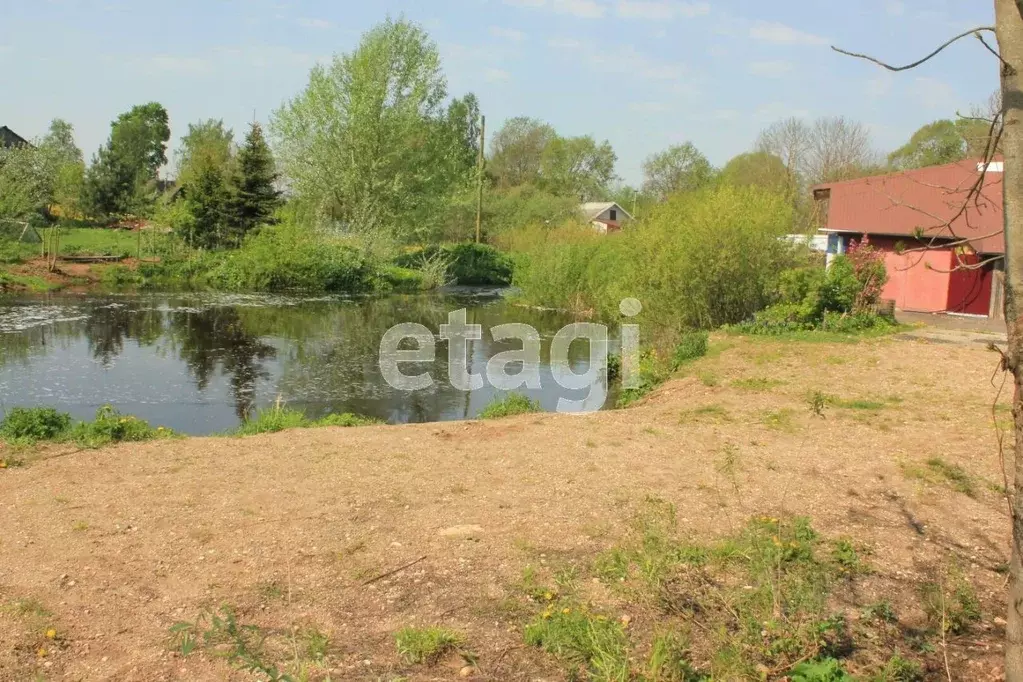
[105,550]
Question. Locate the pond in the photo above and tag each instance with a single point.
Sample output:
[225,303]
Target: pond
[199,363]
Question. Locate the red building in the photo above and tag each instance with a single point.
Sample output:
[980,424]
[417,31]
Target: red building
[943,244]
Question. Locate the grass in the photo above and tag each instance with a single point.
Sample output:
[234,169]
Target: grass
[705,414]
[426,645]
[31,425]
[513,404]
[279,418]
[757,601]
[937,471]
[757,384]
[779,420]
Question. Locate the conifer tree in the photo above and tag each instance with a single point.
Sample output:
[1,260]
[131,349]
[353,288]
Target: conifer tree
[254,197]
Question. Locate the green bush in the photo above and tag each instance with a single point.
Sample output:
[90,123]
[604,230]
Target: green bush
[397,278]
[820,670]
[110,426]
[514,403]
[700,260]
[468,264]
[33,424]
[692,347]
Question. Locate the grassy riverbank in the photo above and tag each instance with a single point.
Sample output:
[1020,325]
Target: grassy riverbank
[278,258]
[729,526]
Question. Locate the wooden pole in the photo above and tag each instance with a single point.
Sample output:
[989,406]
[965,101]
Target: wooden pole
[479,178]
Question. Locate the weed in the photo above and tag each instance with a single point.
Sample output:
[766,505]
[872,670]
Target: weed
[779,420]
[279,418]
[316,644]
[80,526]
[426,645]
[847,559]
[110,426]
[692,346]
[669,660]
[32,424]
[817,401]
[881,611]
[899,669]
[757,384]
[580,638]
[220,633]
[821,670]
[706,413]
[514,403]
[954,475]
[951,604]
[709,379]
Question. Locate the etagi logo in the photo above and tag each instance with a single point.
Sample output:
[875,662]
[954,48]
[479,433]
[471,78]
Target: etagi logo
[526,360]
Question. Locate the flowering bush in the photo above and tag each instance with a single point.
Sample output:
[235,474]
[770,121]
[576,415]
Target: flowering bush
[868,265]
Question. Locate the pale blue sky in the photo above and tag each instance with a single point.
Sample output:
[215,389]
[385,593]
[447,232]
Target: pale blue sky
[642,73]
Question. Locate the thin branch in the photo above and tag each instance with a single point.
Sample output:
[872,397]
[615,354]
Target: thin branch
[397,570]
[1008,67]
[972,31]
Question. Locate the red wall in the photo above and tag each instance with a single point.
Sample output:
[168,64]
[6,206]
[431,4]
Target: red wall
[969,291]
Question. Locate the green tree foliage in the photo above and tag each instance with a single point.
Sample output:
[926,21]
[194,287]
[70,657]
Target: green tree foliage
[254,197]
[757,169]
[578,167]
[680,168]
[206,200]
[122,177]
[516,151]
[34,177]
[360,145]
[206,142]
[932,145]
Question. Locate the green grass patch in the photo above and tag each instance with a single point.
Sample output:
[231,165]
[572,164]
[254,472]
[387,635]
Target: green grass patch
[512,404]
[31,425]
[937,471]
[757,384]
[280,418]
[705,414]
[779,420]
[582,639]
[426,645]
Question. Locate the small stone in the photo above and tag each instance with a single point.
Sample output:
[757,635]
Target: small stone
[999,620]
[467,671]
[461,531]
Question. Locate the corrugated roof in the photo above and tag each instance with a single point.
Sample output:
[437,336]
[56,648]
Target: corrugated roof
[925,199]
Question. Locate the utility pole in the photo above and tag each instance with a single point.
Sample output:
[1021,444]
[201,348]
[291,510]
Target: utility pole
[479,178]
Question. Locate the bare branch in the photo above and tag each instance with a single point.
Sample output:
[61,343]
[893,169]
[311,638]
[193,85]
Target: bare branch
[972,31]
[993,51]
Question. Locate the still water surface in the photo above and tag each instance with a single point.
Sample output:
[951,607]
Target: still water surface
[198,363]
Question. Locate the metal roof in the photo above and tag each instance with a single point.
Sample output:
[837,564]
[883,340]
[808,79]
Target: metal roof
[592,209]
[928,200]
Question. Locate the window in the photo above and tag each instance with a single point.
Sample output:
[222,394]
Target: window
[614,214]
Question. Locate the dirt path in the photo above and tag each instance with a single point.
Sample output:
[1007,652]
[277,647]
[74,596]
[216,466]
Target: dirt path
[106,550]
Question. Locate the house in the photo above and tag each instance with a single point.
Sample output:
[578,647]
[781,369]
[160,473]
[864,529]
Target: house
[605,216]
[944,249]
[9,138]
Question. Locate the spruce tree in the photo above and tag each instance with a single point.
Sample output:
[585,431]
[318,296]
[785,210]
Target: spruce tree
[254,198]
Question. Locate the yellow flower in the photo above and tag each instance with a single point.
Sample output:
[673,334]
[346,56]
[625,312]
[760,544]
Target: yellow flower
[566,611]
[42,652]
[549,596]
[51,634]
[776,541]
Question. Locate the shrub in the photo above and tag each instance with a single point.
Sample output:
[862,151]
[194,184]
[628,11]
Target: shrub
[701,259]
[692,347]
[514,403]
[820,670]
[110,426]
[468,264]
[33,424]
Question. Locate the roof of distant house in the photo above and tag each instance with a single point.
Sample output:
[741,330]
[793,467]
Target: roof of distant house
[925,202]
[592,209]
[9,138]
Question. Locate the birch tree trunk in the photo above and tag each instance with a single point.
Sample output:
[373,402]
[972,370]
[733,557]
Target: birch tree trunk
[1009,28]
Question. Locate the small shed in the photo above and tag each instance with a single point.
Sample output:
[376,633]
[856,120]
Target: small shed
[605,216]
[9,138]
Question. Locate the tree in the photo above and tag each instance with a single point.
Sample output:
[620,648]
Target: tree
[205,142]
[24,187]
[517,149]
[254,197]
[681,168]
[359,144]
[577,167]
[207,202]
[757,169]
[840,149]
[1008,30]
[123,173]
[934,144]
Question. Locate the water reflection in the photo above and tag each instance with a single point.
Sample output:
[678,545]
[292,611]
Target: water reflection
[200,363]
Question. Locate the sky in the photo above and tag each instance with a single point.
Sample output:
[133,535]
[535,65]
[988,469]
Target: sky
[643,74]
